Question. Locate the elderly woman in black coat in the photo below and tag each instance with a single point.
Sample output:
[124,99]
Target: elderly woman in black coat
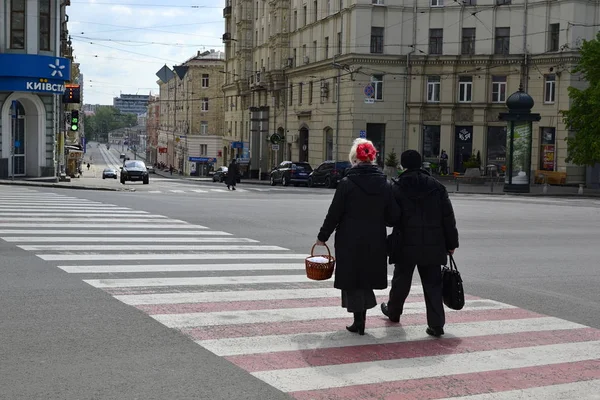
[362,207]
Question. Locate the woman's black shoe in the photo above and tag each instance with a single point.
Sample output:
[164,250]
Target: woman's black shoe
[436,332]
[359,323]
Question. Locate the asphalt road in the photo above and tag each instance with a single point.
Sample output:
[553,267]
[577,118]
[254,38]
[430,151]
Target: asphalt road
[64,339]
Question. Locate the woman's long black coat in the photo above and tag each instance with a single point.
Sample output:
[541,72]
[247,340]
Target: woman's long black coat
[362,206]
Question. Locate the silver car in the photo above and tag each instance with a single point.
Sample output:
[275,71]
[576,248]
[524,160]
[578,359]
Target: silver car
[109,173]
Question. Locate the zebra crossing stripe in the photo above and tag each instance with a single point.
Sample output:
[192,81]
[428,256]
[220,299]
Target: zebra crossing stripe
[108,239]
[170,256]
[149,247]
[95,269]
[144,232]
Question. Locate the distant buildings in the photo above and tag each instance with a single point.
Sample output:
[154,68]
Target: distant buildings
[131,103]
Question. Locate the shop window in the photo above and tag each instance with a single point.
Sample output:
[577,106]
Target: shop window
[431,141]
[496,148]
[547,149]
[17,24]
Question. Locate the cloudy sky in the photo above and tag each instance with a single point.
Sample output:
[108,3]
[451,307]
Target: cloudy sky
[122,44]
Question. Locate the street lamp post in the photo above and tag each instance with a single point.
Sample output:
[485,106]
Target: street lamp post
[519,120]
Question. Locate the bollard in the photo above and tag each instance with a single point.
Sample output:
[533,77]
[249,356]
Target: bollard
[545,188]
[457,184]
[580,191]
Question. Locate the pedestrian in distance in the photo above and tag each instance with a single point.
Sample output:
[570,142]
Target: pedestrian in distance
[361,208]
[423,237]
[233,172]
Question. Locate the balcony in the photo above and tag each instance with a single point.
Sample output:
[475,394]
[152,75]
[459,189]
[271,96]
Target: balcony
[227,12]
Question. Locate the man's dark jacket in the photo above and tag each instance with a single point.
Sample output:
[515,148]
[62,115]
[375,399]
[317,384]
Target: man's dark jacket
[360,210]
[427,227]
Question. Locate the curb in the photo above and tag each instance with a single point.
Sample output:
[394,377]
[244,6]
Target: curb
[59,186]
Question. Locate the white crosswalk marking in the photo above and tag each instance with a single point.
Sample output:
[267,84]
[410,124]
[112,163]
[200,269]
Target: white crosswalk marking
[253,305]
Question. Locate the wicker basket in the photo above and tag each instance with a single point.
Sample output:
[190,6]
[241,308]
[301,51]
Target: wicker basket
[319,271]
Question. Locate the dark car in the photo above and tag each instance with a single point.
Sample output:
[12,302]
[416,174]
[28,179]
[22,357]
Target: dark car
[291,172]
[134,170]
[329,173]
[109,173]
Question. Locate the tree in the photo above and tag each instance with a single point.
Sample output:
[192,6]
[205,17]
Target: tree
[392,159]
[583,147]
[107,119]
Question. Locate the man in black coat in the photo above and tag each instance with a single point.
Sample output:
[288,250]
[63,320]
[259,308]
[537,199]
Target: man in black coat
[232,174]
[425,235]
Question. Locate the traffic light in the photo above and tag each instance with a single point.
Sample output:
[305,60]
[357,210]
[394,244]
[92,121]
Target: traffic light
[74,120]
[72,94]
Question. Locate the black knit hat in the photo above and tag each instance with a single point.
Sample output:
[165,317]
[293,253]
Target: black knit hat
[411,159]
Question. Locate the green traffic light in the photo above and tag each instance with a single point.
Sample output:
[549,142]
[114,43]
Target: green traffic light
[74,120]
[74,127]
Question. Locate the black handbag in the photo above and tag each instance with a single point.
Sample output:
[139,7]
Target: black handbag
[452,286]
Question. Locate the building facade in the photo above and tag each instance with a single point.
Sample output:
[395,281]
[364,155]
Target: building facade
[33,36]
[191,126]
[131,103]
[424,74]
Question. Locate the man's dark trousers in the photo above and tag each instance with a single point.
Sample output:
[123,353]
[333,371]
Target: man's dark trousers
[431,278]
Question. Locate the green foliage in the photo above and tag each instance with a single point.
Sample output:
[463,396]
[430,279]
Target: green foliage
[107,119]
[583,148]
[392,159]
[473,162]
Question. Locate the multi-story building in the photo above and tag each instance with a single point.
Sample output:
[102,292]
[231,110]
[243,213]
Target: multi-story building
[425,74]
[152,124]
[191,127]
[33,37]
[131,103]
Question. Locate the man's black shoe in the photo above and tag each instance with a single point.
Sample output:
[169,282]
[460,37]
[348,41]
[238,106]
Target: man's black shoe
[386,312]
[436,332]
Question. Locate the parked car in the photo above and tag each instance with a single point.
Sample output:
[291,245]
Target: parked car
[109,173]
[329,173]
[220,175]
[150,169]
[291,172]
[134,170]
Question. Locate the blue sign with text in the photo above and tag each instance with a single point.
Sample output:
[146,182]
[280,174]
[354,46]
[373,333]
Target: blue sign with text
[362,134]
[34,73]
[237,145]
[209,160]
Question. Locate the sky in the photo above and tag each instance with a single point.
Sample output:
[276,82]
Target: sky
[122,44]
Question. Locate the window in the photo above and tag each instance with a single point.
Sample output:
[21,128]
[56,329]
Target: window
[433,89]
[291,99]
[328,9]
[437,3]
[431,141]
[468,41]
[377,2]
[339,43]
[465,89]
[498,89]
[203,149]
[300,90]
[376,40]
[310,92]
[436,38]
[305,17]
[205,104]
[549,88]
[502,42]
[204,80]
[45,25]
[315,51]
[256,11]
[503,2]
[295,21]
[327,47]
[554,33]
[17,24]
[204,127]
[315,7]
[377,83]
[335,90]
